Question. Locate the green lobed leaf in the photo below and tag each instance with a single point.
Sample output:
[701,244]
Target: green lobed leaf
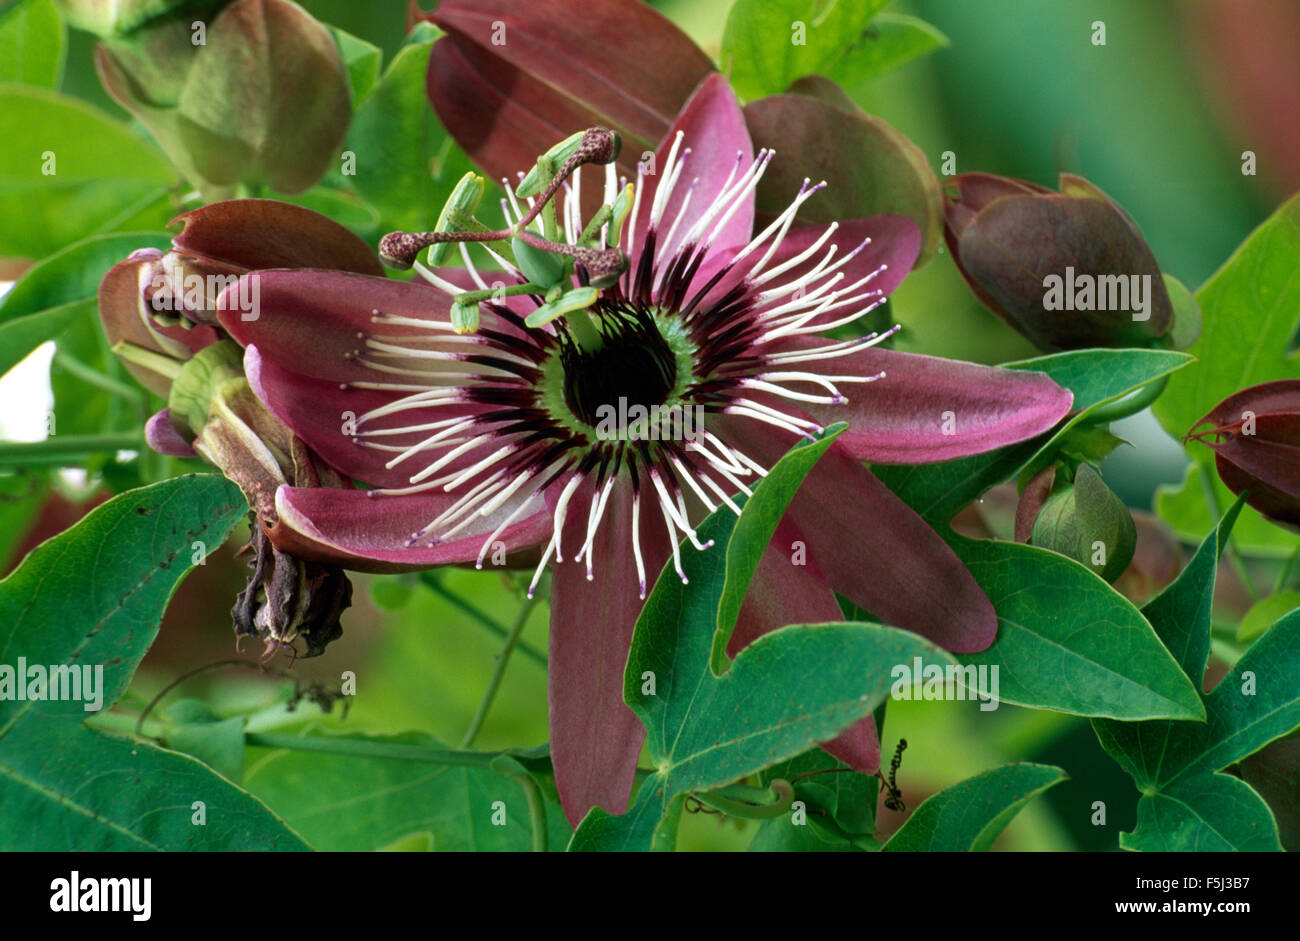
[21,501]
[1205,814]
[362,59]
[1188,509]
[33,43]
[1186,803]
[752,533]
[69,281]
[970,815]
[73,273]
[705,731]
[193,728]
[1265,612]
[56,298]
[20,336]
[353,803]
[64,786]
[1257,702]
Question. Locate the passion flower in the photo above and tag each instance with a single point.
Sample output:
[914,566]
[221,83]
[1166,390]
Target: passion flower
[488,443]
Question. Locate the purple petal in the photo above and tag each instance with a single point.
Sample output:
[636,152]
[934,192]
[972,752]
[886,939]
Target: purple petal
[713,128]
[373,533]
[162,436]
[875,550]
[783,593]
[267,233]
[614,63]
[325,417]
[927,409]
[595,737]
[309,320]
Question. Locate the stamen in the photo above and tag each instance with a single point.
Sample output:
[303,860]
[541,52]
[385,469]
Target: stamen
[770,420]
[672,540]
[461,425]
[724,199]
[667,503]
[636,544]
[469,266]
[594,514]
[561,511]
[685,475]
[797,259]
[727,474]
[783,222]
[721,494]
[833,350]
[450,456]
[487,543]
[668,175]
[378,316]
[630,225]
[466,504]
[440,283]
[541,566]
[495,457]
[834,399]
[742,194]
[506,493]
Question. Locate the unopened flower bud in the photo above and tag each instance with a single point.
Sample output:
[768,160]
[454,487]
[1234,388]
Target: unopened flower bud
[1086,521]
[262,99]
[1255,435]
[1068,270]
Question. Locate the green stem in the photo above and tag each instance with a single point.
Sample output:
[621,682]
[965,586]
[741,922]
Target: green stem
[156,362]
[498,672]
[118,722]
[590,235]
[75,367]
[550,224]
[1131,404]
[536,811]
[1284,577]
[68,446]
[513,290]
[1234,557]
[365,749]
[431,581]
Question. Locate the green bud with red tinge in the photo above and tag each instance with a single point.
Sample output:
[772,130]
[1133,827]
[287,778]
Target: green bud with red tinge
[252,92]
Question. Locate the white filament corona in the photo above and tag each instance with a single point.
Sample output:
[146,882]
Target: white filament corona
[490,471]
